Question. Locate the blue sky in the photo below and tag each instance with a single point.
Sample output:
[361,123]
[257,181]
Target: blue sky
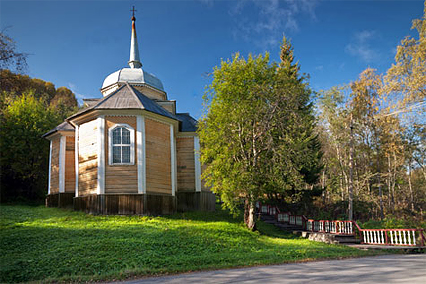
[78,43]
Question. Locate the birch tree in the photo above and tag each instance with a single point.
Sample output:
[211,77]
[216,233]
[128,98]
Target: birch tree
[407,77]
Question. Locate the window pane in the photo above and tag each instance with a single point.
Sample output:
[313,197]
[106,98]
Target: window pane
[126,154]
[116,154]
[116,136]
[125,136]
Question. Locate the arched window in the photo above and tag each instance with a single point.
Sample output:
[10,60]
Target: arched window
[121,145]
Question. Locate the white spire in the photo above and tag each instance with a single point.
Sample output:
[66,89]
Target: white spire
[134,61]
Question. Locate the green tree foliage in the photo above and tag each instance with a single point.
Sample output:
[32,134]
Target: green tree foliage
[24,154]
[257,135]
[389,177]
[408,75]
[389,156]
[28,109]
[64,97]
[14,85]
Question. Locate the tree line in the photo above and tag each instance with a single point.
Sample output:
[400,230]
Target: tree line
[379,119]
[352,152]
[28,108]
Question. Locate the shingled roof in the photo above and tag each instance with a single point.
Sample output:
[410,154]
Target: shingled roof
[127,97]
[189,124]
[64,126]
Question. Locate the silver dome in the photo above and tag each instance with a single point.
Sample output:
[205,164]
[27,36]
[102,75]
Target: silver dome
[133,76]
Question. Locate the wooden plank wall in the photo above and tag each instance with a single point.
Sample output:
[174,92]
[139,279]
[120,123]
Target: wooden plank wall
[62,200]
[194,201]
[54,172]
[126,204]
[70,164]
[168,106]
[158,157]
[87,158]
[185,164]
[120,179]
[150,93]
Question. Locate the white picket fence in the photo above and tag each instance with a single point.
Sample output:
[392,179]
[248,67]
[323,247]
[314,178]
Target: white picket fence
[401,237]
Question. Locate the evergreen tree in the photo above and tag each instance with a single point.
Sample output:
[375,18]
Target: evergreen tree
[257,134]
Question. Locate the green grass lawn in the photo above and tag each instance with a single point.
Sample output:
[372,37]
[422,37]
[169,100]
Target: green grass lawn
[48,244]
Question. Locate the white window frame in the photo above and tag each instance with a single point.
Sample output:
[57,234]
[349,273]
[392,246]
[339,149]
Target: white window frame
[132,145]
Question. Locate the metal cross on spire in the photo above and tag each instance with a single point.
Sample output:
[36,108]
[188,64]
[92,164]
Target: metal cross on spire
[134,61]
[133,12]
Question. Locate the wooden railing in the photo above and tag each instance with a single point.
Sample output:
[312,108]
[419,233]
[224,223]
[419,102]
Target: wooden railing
[264,209]
[283,217]
[392,237]
[400,237]
[333,227]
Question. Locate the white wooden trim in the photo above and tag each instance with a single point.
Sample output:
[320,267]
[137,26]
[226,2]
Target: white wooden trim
[62,145]
[140,153]
[197,163]
[76,151]
[50,167]
[132,144]
[101,155]
[173,159]
[144,156]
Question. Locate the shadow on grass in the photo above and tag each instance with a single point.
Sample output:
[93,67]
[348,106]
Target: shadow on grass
[219,215]
[274,232]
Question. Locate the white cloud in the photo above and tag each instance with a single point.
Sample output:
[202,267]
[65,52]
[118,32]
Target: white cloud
[74,89]
[208,3]
[271,20]
[360,46]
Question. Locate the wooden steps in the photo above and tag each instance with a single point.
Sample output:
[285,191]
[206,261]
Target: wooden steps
[314,236]
[283,226]
[343,232]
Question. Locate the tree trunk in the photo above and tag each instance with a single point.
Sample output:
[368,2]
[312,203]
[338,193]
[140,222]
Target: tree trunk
[343,187]
[323,187]
[410,187]
[249,215]
[246,210]
[382,215]
[394,197]
[391,189]
[351,169]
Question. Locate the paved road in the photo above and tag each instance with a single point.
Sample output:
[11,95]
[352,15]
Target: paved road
[381,269]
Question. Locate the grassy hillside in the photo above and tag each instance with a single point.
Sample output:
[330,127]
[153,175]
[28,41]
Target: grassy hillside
[38,243]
